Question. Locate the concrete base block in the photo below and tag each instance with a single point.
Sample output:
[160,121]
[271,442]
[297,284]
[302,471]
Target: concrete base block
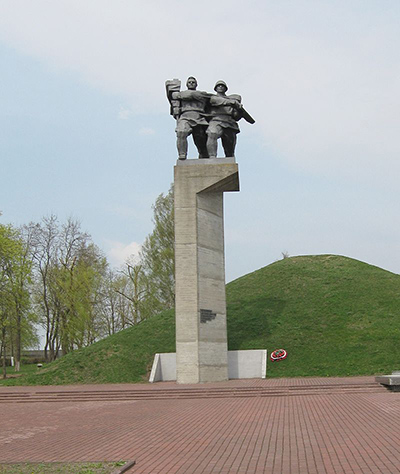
[250,364]
[392,382]
[164,367]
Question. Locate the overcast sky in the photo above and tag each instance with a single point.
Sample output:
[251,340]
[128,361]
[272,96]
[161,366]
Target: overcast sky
[85,128]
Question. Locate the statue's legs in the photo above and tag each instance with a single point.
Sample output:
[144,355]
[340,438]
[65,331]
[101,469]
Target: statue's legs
[183,130]
[229,142]
[214,131]
[182,144]
[200,140]
[212,144]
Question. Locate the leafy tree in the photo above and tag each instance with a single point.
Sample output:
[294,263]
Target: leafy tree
[8,250]
[79,292]
[147,281]
[157,254]
[74,286]
[70,270]
[75,296]
[14,295]
[22,328]
[138,291]
[44,253]
[114,310]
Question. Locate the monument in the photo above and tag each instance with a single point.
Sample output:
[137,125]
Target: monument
[207,117]
[200,306]
[199,184]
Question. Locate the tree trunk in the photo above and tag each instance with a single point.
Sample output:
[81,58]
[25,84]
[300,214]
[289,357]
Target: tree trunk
[18,343]
[3,347]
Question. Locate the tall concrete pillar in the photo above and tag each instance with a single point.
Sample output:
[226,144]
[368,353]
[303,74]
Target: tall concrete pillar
[201,336]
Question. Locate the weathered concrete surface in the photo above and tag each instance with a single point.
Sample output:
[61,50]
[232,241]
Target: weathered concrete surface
[241,365]
[392,382]
[247,364]
[201,339]
[164,367]
[388,379]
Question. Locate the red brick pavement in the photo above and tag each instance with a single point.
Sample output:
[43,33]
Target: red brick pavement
[332,432]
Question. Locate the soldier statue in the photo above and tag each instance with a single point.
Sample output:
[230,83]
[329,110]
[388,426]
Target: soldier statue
[207,117]
[189,109]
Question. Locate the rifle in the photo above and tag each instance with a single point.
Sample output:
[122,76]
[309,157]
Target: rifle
[241,111]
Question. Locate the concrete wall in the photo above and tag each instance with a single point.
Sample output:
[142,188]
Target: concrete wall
[241,365]
[213,346]
[201,339]
[247,364]
[164,367]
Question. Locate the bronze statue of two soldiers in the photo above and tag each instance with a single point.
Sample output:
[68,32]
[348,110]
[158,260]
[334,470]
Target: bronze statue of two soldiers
[207,117]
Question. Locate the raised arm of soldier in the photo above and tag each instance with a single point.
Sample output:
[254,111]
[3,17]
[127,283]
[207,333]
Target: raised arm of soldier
[232,101]
[191,93]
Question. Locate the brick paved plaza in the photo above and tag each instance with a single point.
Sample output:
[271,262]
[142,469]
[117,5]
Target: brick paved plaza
[272,426]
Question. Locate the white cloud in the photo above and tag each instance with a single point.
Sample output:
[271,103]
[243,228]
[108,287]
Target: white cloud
[320,78]
[146,131]
[119,252]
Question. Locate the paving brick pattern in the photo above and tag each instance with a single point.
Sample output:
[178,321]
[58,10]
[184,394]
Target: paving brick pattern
[328,428]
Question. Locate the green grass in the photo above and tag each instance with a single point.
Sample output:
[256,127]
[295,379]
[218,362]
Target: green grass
[62,468]
[335,316]
[124,357]
[25,369]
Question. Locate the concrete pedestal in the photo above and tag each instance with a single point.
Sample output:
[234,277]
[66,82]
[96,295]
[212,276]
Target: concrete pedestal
[201,337]
[391,382]
[250,364]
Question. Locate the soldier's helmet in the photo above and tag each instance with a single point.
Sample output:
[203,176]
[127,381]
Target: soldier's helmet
[220,83]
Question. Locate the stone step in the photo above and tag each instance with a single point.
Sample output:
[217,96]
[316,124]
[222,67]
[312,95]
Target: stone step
[188,393]
[184,393]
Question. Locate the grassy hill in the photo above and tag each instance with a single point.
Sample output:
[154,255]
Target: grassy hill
[335,316]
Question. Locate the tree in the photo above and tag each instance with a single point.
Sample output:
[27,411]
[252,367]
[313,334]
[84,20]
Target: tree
[8,250]
[114,310]
[148,281]
[20,279]
[157,254]
[124,298]
[79,283]
[70,270]
[138,291]
[74,295]
[14,298]
[44,253]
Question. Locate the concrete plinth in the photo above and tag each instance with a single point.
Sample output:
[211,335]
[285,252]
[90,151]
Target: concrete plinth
[391,382]
[201,337]
[248,364]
